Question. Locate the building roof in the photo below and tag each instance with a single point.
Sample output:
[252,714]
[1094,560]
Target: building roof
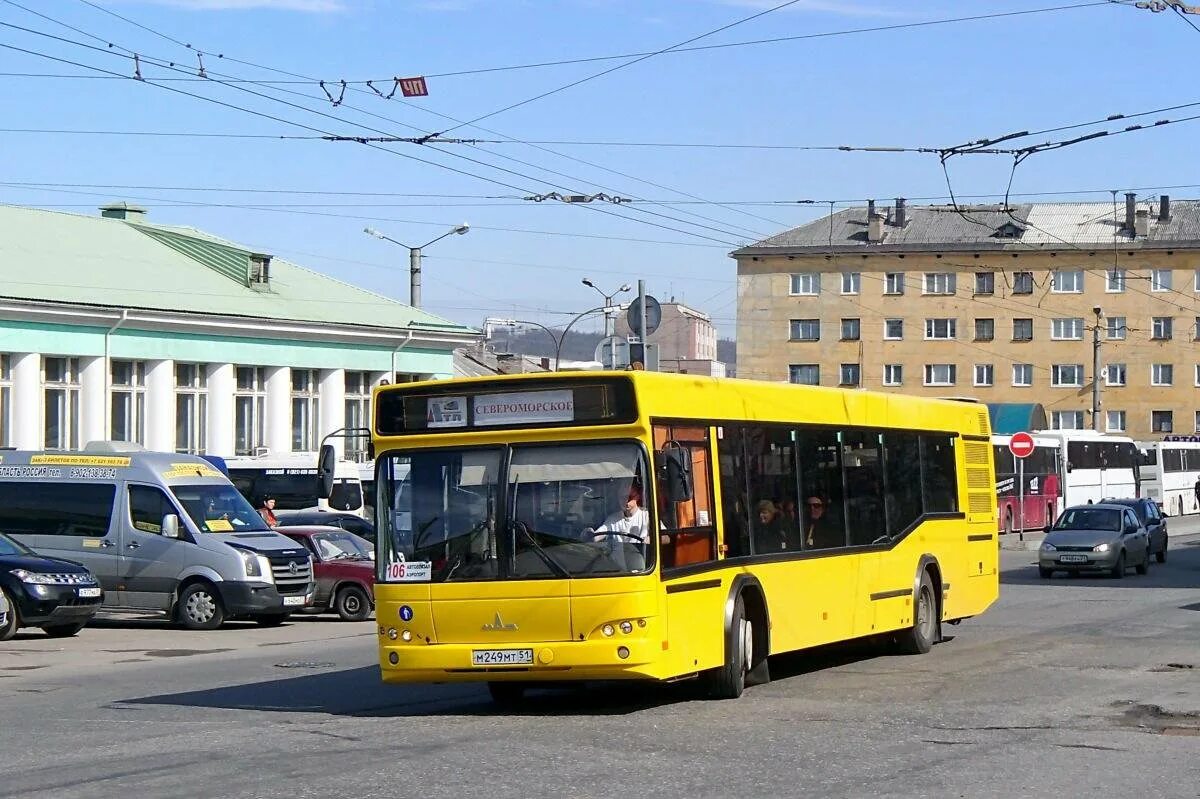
[1015,417]
[1023,227]
[51,256]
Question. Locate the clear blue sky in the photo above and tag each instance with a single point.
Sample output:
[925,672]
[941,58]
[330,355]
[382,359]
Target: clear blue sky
[929,86]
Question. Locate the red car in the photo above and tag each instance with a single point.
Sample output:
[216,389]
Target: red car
[344,568]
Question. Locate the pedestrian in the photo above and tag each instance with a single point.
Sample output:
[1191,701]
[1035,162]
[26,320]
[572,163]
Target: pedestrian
[267,512]
[1196,489]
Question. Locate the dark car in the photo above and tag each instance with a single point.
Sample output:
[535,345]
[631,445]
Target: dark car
[344,567]
[327,518]
[1151,517]
[1104,537]
[60,596]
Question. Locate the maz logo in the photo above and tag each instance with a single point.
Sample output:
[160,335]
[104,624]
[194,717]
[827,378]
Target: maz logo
[498,625]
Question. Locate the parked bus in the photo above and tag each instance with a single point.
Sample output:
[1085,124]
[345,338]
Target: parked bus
[1169,471]
[600,526]
[1095,466]
[292,481]
[1042,474]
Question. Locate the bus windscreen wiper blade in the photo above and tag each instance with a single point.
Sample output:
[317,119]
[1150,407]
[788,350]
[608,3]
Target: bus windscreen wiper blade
[554,565]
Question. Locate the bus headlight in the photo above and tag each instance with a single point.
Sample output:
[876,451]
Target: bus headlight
[626,627]
[607,630]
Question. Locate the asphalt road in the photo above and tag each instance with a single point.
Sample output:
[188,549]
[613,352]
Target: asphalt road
[1066,688]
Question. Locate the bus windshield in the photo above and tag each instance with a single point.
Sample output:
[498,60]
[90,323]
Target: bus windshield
[529,512]
[218,509]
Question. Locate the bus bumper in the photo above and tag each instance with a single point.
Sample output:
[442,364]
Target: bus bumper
[402,662]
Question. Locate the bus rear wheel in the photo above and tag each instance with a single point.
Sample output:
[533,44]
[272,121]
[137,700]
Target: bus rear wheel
[920,638]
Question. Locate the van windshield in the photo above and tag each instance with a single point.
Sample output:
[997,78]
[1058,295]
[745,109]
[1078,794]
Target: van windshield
[218,509]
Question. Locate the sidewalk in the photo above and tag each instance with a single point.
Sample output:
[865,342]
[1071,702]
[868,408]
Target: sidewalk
[1178,527]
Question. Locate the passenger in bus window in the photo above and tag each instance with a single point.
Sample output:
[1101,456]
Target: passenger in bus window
[819,531]
[770,535]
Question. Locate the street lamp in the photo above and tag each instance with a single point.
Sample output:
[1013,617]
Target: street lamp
[558,340]
[414,258]
[609,321]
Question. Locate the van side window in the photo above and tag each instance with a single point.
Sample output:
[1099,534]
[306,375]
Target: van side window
[83,509]
[147,506]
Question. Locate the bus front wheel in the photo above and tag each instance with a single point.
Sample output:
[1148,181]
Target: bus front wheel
[728,681]
[920,638]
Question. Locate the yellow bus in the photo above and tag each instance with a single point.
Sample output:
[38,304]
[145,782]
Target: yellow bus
[633,525]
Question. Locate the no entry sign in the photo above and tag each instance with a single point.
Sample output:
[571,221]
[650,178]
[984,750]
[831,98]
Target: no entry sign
[1021,445]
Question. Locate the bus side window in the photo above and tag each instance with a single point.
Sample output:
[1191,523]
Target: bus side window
[687,528]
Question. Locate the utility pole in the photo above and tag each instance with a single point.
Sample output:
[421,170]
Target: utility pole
[610,320]
[1096,369]
[414,258]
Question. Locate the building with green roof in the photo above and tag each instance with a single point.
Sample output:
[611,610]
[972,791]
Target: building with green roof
[112,327]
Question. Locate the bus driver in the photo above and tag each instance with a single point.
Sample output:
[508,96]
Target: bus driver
[629,525]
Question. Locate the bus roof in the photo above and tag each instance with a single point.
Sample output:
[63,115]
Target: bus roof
[139,465]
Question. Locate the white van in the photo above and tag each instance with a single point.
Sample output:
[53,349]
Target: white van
[160,531]
[292,481]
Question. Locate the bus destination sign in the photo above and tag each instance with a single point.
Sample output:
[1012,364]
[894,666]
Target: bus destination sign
[525,407]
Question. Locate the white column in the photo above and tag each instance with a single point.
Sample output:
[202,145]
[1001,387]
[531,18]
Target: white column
[222,385]
[93,400]
[27,419]
[160,406]
[333,407]
[279,410]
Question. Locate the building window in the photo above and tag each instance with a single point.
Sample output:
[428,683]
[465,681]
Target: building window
[985,329]
[191,408]
[806,330]
[1066,420]
[893,283]
[985,282]
[941,328]
[849,374]
[128,422]
[940,374]
[985,374]
[806,283]
[893,374]
[1196,427]
[1160,279]
[1114,421]
[1066,329]
[1022,330]
[1162,421]
[1161,374]
[1022,374]
[358,405]
[1196,333]
[1066,281]
[1114,374]
[805,374]
[851,282]
[1064,375]
[1116,328]
[249,406]
[5,400]
[850,330]
[893,329]
[1022,283]
[60,387]
[1196,281]
[1198,374]
[1161,328]
[1115,282]
[939,283]
[306,410]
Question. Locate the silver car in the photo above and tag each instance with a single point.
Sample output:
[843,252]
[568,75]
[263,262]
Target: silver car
[1095,538]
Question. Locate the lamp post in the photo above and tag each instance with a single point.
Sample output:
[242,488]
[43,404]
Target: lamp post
[558,340]
[1096,368]
[414,258]
[609,320]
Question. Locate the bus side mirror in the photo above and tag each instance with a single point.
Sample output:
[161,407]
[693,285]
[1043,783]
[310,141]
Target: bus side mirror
[677,474]
[325,466]
[170,526]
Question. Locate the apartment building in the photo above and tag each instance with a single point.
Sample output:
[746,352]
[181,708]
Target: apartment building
[112,327]
[1002,304]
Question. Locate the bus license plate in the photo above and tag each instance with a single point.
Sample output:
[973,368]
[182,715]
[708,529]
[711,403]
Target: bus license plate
[89,593]
[501,657]
[1072,559]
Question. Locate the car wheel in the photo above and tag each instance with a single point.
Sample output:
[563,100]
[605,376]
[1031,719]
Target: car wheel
[921,637]
[271,619]
[9,628]
[1118,569]
[200,608]
[1144,566]
[62,630]
[352,604]
[1045,573]
[1161,555]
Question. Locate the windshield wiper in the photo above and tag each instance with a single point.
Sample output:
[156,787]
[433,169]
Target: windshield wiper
[554,565]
